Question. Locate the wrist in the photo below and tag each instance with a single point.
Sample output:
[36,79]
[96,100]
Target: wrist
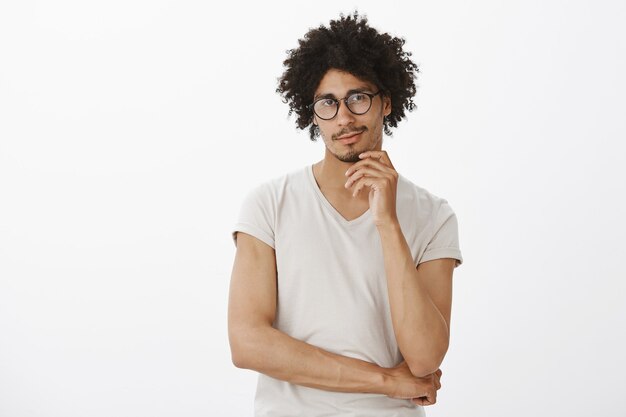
[389,226]
[386,381]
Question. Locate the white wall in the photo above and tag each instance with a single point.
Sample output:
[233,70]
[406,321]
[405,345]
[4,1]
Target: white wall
[128,140]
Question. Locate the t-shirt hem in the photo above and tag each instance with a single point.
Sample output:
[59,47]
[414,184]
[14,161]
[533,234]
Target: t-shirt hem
[254,231]
[443,253]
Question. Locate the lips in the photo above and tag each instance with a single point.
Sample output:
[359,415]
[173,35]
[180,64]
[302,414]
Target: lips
[351,137]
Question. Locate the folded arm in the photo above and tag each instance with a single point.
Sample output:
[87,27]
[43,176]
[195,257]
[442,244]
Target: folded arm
[420,301]
[256,345]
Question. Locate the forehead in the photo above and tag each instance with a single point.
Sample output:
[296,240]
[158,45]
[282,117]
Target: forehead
[338,83]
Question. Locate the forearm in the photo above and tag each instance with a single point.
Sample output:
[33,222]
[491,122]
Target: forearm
[276,354]
[421,331]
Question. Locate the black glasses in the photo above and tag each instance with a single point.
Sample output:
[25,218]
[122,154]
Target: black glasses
[358,103]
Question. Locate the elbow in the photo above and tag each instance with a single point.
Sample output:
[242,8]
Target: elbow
[240,356]
[423,367]
[246,346]
[420,370]
[237,356]
[239,349]
[238,361]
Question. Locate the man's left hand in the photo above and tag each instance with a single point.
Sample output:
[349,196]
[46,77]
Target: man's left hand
[376,171]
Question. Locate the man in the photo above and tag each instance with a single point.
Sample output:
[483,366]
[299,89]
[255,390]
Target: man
[341,288]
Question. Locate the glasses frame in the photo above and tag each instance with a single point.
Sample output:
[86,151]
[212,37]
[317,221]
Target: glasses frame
[345,101]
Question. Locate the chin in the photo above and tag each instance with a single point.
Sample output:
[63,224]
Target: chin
[351,157]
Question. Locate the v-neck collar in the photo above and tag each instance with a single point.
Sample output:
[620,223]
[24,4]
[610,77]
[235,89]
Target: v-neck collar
[329,207]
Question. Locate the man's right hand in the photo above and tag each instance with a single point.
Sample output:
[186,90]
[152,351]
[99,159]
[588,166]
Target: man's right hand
[403,384]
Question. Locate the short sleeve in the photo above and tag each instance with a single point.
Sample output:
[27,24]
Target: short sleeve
[444,242]
[256,215]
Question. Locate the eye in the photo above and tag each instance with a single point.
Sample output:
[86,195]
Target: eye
[357,98]
[326,102]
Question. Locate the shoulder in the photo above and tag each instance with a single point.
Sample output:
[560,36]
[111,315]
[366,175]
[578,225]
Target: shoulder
[274,187]
[418,197]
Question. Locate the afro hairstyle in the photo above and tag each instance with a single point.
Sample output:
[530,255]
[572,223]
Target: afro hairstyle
[350,45]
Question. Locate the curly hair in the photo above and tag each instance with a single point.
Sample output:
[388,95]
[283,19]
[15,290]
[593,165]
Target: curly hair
[349,45]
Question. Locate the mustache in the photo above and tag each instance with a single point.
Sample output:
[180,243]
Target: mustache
[347,131]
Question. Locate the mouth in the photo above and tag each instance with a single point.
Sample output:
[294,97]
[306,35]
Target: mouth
[350,137]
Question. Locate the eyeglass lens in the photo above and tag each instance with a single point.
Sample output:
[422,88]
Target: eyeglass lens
[358,103]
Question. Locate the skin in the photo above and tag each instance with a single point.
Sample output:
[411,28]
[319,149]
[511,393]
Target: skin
[353,177]
[338,157]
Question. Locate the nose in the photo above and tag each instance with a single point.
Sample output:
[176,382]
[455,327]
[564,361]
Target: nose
[344,116]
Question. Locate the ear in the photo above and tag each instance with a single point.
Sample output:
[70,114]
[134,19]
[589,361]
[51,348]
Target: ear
[386,106]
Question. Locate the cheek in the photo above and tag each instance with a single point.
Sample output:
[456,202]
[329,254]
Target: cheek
[325,137]
[377,124]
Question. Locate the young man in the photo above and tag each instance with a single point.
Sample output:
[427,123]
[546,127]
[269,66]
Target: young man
[341,288]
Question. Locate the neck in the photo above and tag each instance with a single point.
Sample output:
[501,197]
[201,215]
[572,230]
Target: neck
[330,176]
[331,171]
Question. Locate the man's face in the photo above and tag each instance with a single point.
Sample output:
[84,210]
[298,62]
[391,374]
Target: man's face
[348,134]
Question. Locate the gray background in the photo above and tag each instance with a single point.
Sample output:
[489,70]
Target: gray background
[131,130]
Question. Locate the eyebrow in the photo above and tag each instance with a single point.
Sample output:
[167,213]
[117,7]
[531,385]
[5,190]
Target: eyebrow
[354,90]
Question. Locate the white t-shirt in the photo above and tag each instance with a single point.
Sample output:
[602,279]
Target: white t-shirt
[332,289]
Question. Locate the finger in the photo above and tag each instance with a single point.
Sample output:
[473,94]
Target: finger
[367,172]
[431,397]
[358,186]
[366,181]
[382,156]
[418,401]
[438,377]
[423,401]
[372,163]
